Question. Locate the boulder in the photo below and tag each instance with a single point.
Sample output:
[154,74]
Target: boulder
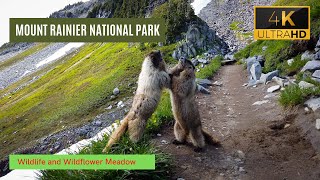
[313,103]
[316,74]
[317,56]
[307,55]
[195,62]
[203,82]
[268,77]
[255,71]
[202,89]
[304,85]
[316,79]
[116,91]
[273,88]
[290,61]
[193,34]
[249,62]
[311,66]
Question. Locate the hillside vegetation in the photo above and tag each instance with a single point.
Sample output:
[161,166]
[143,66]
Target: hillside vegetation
[277,52]
[71,94]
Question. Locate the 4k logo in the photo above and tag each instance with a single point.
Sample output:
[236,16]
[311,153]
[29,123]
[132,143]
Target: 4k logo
[281,22]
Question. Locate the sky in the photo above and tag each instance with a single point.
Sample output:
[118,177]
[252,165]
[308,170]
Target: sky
[27,9]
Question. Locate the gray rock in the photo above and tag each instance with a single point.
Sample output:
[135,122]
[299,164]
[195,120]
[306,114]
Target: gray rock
[260,102]
[202,89]
[116,91]
[83,132]
[318,43]
[290,61]
[268,77]
[307,55]
[260,58]
[255,71]
[57,146]
[195,62]
[164,142]
[317,56]
[241,169]
[109,107]
[112,97]
[249,62]
[279,81]
[318,124]
[193,35]
[229,57]
[305,85]
[316,74]
[240,154]
[175,54]
[98,123]
[313,103]
[311,66]
[120,104]
[273,88]
[203,82]
[316,79]
[264,48]
[269,96]
[203,61]
[217,83]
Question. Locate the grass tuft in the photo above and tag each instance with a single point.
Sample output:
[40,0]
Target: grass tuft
[293,95]
[210,69]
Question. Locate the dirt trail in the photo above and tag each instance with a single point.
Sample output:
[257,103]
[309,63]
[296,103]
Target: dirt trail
[250,148]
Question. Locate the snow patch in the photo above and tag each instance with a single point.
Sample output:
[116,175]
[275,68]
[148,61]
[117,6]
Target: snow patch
[198,5]
[60,53]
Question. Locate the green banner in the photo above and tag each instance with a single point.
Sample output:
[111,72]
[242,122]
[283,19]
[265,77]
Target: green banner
[87,30]
[41,162]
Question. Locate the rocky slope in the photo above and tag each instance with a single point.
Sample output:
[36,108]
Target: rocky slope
[232,19]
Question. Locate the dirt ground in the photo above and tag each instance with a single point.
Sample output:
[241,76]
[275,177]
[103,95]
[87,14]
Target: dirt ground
[258,141]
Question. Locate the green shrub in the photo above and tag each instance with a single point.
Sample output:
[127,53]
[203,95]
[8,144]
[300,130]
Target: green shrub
[295,67]
[210,69]
[294,95]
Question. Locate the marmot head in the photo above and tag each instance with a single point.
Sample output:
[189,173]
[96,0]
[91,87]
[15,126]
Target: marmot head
[156,58]
[188,67]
